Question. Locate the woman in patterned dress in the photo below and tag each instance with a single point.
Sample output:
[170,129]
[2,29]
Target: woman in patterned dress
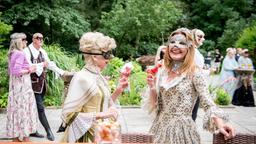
[22,116]
[173,92]
[89,98]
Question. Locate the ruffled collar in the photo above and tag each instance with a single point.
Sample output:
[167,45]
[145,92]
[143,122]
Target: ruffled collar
[167,85]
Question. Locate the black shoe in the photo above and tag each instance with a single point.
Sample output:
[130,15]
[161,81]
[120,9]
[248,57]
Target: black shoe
[36,134]
[61,128]
[50,135]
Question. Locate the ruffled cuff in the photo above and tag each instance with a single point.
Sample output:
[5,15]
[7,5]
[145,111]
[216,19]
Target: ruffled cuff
[146,104]
[208,123]
[81,124]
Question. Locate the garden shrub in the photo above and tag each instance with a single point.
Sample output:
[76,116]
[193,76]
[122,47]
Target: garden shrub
[248,40]
[222,97]
[131,95]
[4,78]
[55,86]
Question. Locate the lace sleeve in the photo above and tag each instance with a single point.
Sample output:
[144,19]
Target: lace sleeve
[81,124]
[146,104]
[207,103]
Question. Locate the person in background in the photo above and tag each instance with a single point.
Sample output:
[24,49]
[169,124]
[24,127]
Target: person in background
[239,52]
[227,74]
[217,60]
[245,61]
[160,54]
[198,37]
[22,117]
[208,60]
[172,94]
[89,99]
[38,57]
[244,93]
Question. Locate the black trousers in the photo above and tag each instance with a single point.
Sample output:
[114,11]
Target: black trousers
[41,110]
[195,109]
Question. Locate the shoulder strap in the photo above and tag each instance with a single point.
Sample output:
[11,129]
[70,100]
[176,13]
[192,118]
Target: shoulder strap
[41,56]
[31,55]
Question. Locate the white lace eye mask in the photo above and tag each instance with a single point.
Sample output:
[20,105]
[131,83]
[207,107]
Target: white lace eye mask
[179,41]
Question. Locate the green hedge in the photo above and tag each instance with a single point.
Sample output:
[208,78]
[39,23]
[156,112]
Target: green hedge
[55,86]
[4,78]
[137,81]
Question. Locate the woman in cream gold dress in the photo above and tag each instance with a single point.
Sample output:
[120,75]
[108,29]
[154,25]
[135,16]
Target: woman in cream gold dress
[89,98]
[172,94]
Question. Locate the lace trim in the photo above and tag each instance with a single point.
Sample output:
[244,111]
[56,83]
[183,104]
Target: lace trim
[172,83]
[82,123]
[208,123]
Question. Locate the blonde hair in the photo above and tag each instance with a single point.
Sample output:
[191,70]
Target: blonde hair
[16,42]
[35,35]
[193,33]
[96,42]
[188,65]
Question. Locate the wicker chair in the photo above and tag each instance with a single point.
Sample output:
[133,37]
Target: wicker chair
[238,139]
[137,138]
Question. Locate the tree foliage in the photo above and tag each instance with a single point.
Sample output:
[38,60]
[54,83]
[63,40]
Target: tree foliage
[92,10]
[4,30]
[222,21]
[56,19]
[134,22]
[248,40]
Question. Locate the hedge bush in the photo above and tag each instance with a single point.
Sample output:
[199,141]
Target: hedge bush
[222,97]
[4,78]
[137,81]
[55,86]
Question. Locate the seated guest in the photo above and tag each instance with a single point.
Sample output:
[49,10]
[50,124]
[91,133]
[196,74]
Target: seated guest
[244,94]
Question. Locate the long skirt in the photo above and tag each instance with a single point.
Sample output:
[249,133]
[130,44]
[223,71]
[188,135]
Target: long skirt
[22,117]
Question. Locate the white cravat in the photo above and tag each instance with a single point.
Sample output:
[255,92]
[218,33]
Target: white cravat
[40,66]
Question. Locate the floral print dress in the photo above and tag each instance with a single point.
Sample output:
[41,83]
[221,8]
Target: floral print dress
[22,117]
[173,122]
